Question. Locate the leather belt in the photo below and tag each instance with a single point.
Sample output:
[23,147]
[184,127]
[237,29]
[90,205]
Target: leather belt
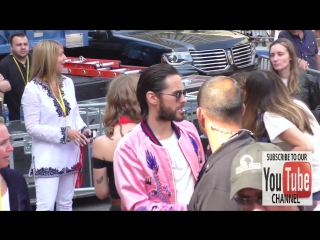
[116,202]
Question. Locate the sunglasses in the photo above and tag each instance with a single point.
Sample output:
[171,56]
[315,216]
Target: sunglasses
[248,201]
[177,94]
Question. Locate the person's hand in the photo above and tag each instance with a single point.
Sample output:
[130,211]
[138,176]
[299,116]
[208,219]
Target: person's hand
[87,132]
[77,137]
[303,65]
[1,77]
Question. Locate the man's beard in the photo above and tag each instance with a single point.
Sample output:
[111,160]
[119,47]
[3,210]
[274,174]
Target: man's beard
[168,114]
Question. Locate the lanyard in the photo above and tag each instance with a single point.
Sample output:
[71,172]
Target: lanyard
[61,102]
[303,48]
[21,71]
[0,193]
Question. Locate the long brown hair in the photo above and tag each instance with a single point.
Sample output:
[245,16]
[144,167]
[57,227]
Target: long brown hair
[121,101]
[265,92]
[240,77]
[294,77]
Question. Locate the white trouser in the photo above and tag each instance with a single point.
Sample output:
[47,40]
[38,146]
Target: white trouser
[59,190]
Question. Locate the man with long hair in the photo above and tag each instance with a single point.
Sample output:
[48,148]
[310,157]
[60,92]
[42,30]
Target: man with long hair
[157,163]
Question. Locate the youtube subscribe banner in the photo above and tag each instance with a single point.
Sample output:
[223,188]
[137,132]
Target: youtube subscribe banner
[287,178]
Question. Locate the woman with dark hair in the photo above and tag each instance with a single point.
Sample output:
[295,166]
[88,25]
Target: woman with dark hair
[284,63]
[271,112]
[240,77]
[121,115]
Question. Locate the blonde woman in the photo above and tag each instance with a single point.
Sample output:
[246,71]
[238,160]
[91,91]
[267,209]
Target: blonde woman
[121,115]
[53,121]
[287,122]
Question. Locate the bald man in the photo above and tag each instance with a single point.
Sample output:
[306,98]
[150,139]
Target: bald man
[220,110]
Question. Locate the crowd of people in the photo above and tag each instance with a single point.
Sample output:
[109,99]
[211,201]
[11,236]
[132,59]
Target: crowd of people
[150,158]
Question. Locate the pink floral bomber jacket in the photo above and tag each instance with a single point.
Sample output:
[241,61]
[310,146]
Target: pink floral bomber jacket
[142,167]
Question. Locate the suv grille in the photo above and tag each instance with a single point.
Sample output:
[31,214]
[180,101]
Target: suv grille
[242,55]
[209,60]
[216,59]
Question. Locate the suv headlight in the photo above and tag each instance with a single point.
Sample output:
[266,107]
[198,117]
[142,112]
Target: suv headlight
[253,52]
[177,58]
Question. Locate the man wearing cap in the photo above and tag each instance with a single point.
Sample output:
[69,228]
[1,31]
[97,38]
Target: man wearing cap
[246,179]
[219,113]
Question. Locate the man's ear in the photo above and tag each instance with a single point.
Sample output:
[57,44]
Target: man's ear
[200,116]
[152,98]
[243,109]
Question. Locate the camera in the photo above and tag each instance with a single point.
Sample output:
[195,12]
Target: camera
[91,136]
[87,134]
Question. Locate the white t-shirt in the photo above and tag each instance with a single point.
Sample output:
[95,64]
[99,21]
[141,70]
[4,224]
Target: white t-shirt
[5,201]
[276,34]
[285,81]
[184,180]
[276,124]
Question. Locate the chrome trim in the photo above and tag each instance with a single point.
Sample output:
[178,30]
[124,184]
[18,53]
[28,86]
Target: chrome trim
[242,55]
[208,61]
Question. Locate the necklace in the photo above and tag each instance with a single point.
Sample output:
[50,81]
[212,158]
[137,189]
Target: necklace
[27,75]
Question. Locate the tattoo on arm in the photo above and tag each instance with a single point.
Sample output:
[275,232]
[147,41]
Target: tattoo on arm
[99,180]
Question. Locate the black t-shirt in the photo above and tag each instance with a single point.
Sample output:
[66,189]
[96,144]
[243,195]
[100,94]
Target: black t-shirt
[11,72]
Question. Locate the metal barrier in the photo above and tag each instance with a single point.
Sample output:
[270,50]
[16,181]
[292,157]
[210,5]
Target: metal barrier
[98,109]
[264,64]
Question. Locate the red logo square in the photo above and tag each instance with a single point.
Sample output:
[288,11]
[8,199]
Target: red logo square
[297,179]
